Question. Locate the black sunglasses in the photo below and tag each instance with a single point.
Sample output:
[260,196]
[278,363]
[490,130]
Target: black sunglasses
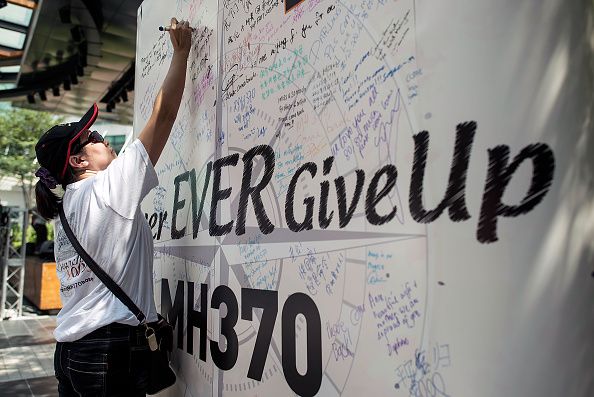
[94,137]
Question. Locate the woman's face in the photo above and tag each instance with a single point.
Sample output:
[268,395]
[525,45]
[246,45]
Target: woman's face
[98,154]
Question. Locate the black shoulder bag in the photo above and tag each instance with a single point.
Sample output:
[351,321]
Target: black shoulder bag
[159,334]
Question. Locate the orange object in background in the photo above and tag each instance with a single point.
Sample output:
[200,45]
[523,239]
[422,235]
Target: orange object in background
[42,286]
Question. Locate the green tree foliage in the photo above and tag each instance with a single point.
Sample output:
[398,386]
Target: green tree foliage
[19,131]
[32,234]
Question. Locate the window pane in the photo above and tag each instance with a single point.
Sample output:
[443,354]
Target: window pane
[10,69]
[7,86]
[116,138]
[13,39]
[16,14]
[116,141]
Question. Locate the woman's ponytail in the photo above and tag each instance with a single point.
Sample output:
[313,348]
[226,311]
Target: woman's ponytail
[48,203]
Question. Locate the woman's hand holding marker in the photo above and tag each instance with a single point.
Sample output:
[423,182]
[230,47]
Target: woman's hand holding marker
[181,35]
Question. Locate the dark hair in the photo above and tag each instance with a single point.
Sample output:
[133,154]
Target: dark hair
[48,203]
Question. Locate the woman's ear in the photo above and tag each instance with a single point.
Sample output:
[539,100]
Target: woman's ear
[77,162]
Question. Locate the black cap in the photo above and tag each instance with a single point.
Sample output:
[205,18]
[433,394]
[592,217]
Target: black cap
[53,148]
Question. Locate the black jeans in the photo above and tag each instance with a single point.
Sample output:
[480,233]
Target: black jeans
[111,361]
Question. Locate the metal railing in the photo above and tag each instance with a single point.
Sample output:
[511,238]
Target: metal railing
[12,261]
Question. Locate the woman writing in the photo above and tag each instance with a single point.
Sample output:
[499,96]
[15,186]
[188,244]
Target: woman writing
[101,349]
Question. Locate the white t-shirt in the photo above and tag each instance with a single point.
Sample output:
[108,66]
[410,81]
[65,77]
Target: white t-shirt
[104,214]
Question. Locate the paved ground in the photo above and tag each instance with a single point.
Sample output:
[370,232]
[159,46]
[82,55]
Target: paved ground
[26,356]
